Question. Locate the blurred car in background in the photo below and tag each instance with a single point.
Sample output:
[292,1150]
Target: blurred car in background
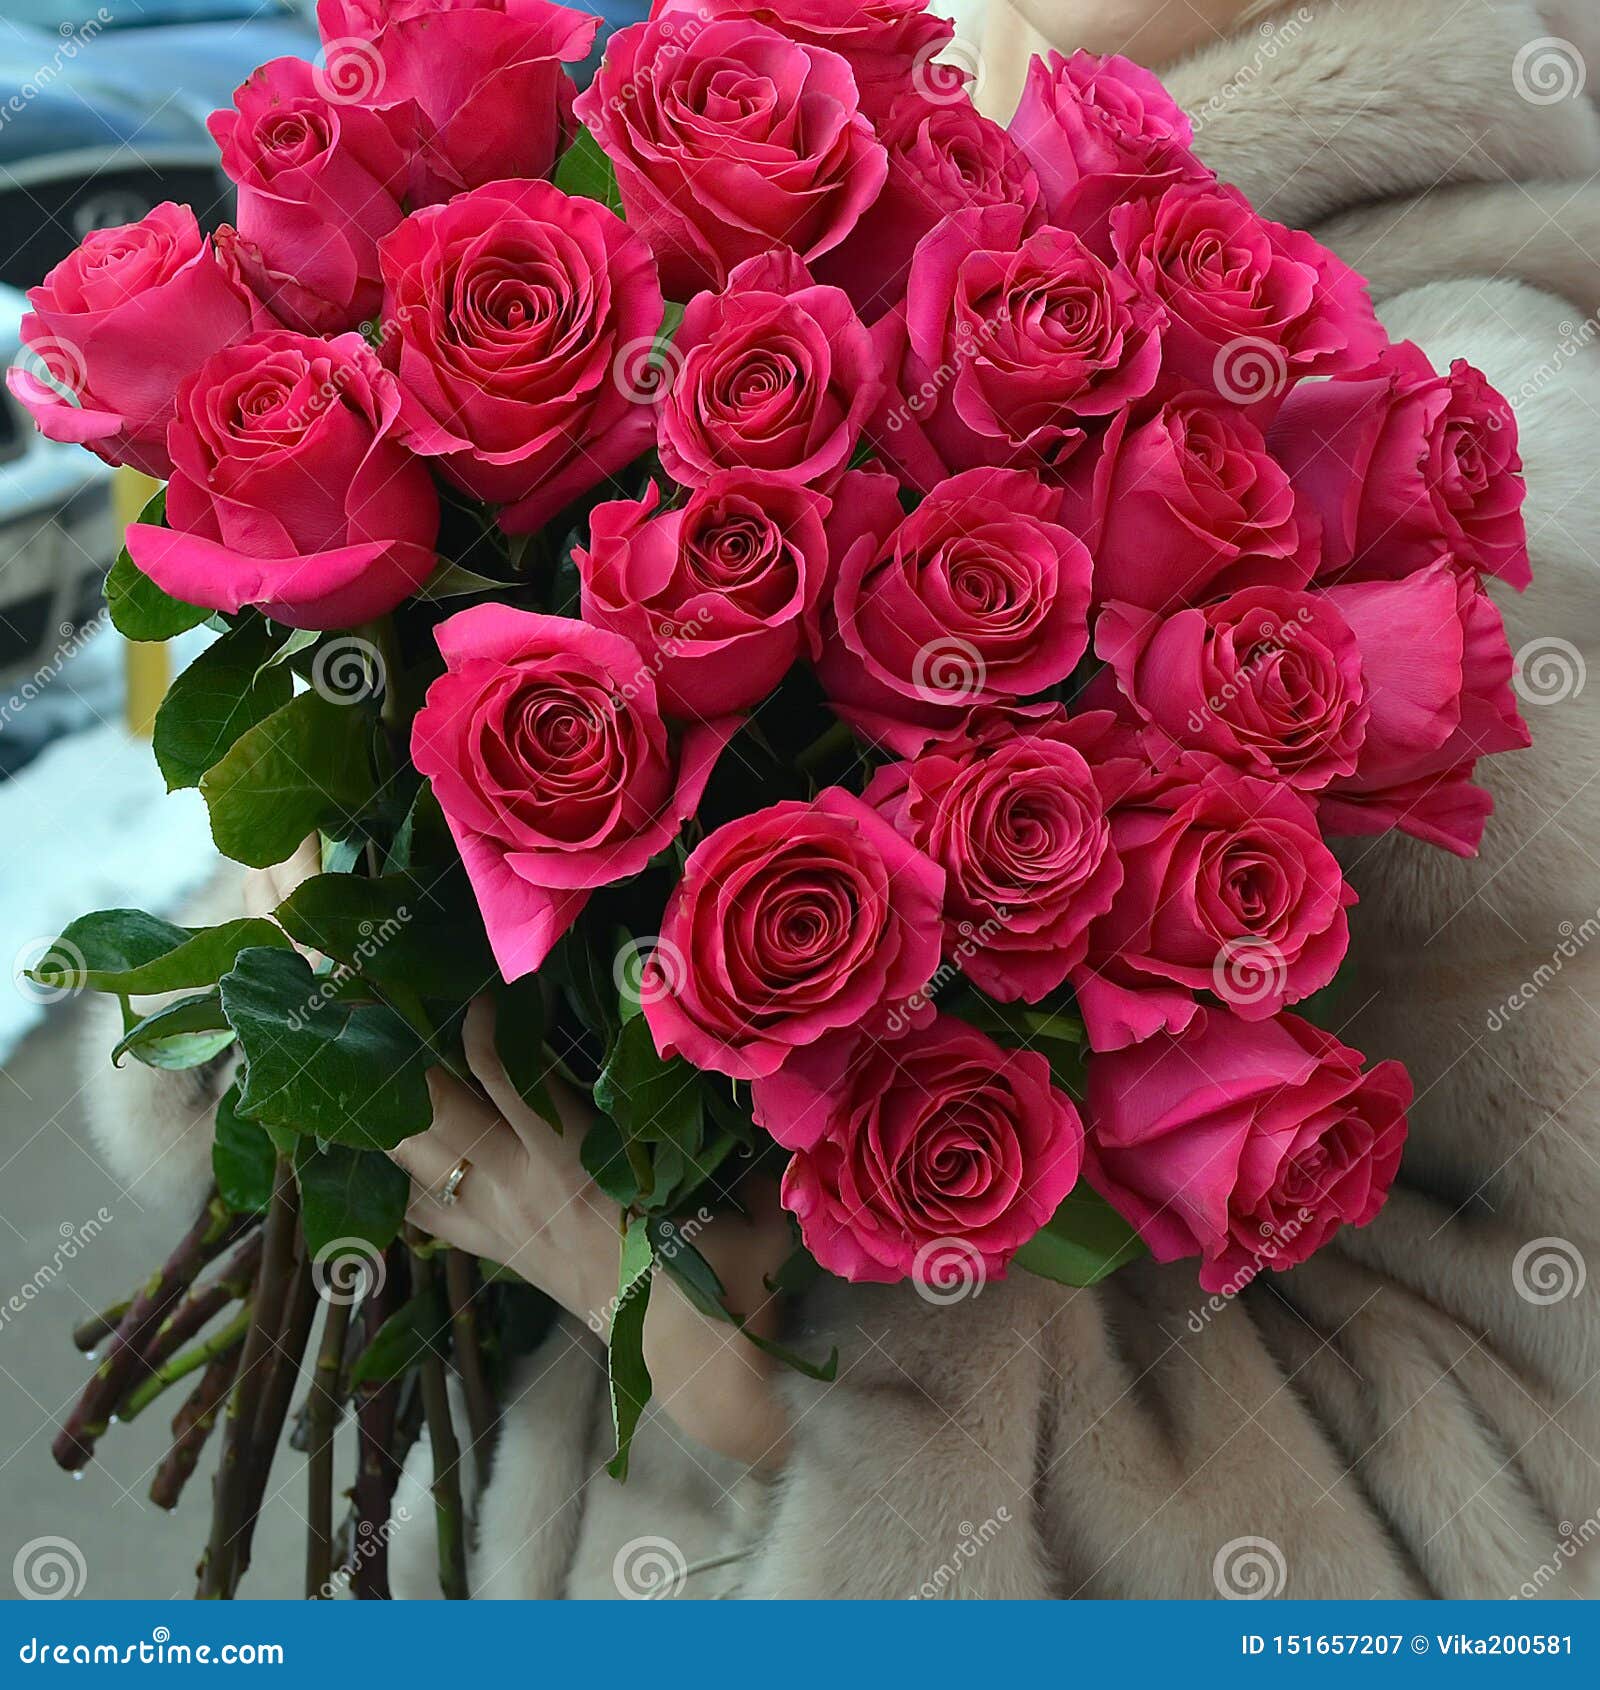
[58,532]
[102,112]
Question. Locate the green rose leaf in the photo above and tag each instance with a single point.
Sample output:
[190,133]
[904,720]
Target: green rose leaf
[700,1285]
[353,1197]
[230,687]
[347,1072]
[130,952]
[138,607]
[605,1160]
[305,767]
[519,1027]
[242,1158]
[651,1100]
[1084,1240]
[185,1034]
[584,169]
[398,929]
[403,1340]
[629,1377]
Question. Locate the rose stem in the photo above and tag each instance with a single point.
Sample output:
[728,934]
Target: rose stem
[191,1430]
[300,1309]
[204,1302]
[327,1396]
[180,1366]
[378,1470]
[229,1488]
[123,1362]
[461,1285]
[90,1334]
[446,1460]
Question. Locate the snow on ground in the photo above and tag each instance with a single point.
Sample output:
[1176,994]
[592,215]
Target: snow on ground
[88,825]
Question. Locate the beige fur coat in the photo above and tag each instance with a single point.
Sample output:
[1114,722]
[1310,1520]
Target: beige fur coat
[1416,1412]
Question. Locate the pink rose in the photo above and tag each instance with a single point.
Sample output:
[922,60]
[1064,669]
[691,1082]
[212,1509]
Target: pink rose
[1254,306]
[1246,1143]
[1009,809]
[1437,666]
[944,156]
[1096,116]
[1008,347]
[1188,505]
[887,43]
[553,768]
[935,1157]
[515,311]
[977,597]
[1401,462]
[773,374]
[483,81]
[795,921]
[290,488]
[119,324]
[320,183]
[1267,679]
[728,141]
[716,594]
[1227,888]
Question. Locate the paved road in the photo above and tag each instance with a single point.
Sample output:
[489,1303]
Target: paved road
[52,1189]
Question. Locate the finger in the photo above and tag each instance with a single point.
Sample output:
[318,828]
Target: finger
[464,1129]
[477,1037]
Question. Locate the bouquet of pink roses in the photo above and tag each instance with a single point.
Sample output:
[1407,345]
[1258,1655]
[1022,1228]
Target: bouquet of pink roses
[855,624]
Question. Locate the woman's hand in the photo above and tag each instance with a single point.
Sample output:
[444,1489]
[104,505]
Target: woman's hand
[526,1202]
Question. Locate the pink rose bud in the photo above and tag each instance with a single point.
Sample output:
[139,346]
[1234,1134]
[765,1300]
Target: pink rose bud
[119,324]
